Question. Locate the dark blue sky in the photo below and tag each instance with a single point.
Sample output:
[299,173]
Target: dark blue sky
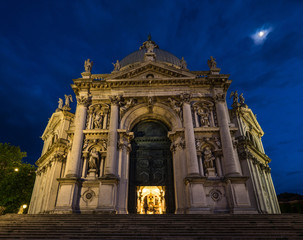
[43,45]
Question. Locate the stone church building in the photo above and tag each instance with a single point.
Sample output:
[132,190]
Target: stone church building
[153,137]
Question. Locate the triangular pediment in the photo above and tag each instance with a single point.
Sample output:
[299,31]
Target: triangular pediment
[252,120]
[151,70]
[52,123]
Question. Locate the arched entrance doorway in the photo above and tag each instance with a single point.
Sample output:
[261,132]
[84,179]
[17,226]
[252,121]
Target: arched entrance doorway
[151,188]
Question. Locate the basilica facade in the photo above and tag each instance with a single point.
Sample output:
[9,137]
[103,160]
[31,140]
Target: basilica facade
[153,137]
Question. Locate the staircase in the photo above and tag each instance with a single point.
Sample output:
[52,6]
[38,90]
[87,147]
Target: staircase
[95,226]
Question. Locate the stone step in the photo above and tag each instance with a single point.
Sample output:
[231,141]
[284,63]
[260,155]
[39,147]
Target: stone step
[97,226]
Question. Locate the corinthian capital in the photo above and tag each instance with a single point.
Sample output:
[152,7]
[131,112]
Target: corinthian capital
[220,97]
[185,97]
[82,100]
[116,100]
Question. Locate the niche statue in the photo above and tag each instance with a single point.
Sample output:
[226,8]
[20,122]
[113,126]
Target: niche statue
[208,158]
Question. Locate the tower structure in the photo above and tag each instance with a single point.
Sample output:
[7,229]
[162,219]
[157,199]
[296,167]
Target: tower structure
[153,137]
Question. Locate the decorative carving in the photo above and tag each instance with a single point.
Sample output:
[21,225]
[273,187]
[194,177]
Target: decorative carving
[117,66]
[82,100]
[220,97]
[212,64]
[102,143]
[88,196]
[215,194]
[88,65]
[175,105]
[178,144]
[116,100]
[185,98]
[218,142]
[130,102]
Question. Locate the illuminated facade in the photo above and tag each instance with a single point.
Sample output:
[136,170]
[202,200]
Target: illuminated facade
[153,137]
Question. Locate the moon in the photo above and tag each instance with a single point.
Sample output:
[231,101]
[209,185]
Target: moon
[261,33]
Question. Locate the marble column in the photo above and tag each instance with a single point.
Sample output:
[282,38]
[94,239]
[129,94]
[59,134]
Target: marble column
[73,163]
[180,170]
[191,152]
[125,148]
[231,165]
[112,151]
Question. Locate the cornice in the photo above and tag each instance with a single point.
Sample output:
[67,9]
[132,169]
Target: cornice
[59,146]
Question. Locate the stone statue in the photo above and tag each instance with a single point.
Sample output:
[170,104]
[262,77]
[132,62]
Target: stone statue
[117,66]
[174,104]
[93,158]
[131,102]
[235,97]
[242,99]
[98,121]
[208,158]
[68,99]
[88,65]
[183,63]
[204,121]
[212,63]
[60,103]
[150,47]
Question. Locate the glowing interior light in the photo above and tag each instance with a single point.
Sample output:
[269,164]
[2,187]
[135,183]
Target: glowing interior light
[24,206]
[16,169]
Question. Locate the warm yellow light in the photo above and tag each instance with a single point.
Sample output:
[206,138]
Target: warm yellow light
[151,200]
[24,206]
[16,169]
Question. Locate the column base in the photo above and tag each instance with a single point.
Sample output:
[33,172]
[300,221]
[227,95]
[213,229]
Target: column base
[67,201]
[108,194]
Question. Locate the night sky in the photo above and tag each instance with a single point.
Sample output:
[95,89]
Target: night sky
[43,45]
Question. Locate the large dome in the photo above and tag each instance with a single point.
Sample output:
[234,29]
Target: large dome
[150,48]
[161,56]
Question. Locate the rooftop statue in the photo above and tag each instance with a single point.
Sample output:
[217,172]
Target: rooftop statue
[212,63]
[117,66]
[235,97]
[242,99]
[60,103]
[88,65]
[149,45]
[183,63]
[68,99]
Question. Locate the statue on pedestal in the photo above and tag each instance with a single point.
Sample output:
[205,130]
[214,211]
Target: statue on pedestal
[117,66]
[212,63]
[88,65]
[98,121]
[204,121]
[183,63]
[93,159]
[208,158]
[68,99]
